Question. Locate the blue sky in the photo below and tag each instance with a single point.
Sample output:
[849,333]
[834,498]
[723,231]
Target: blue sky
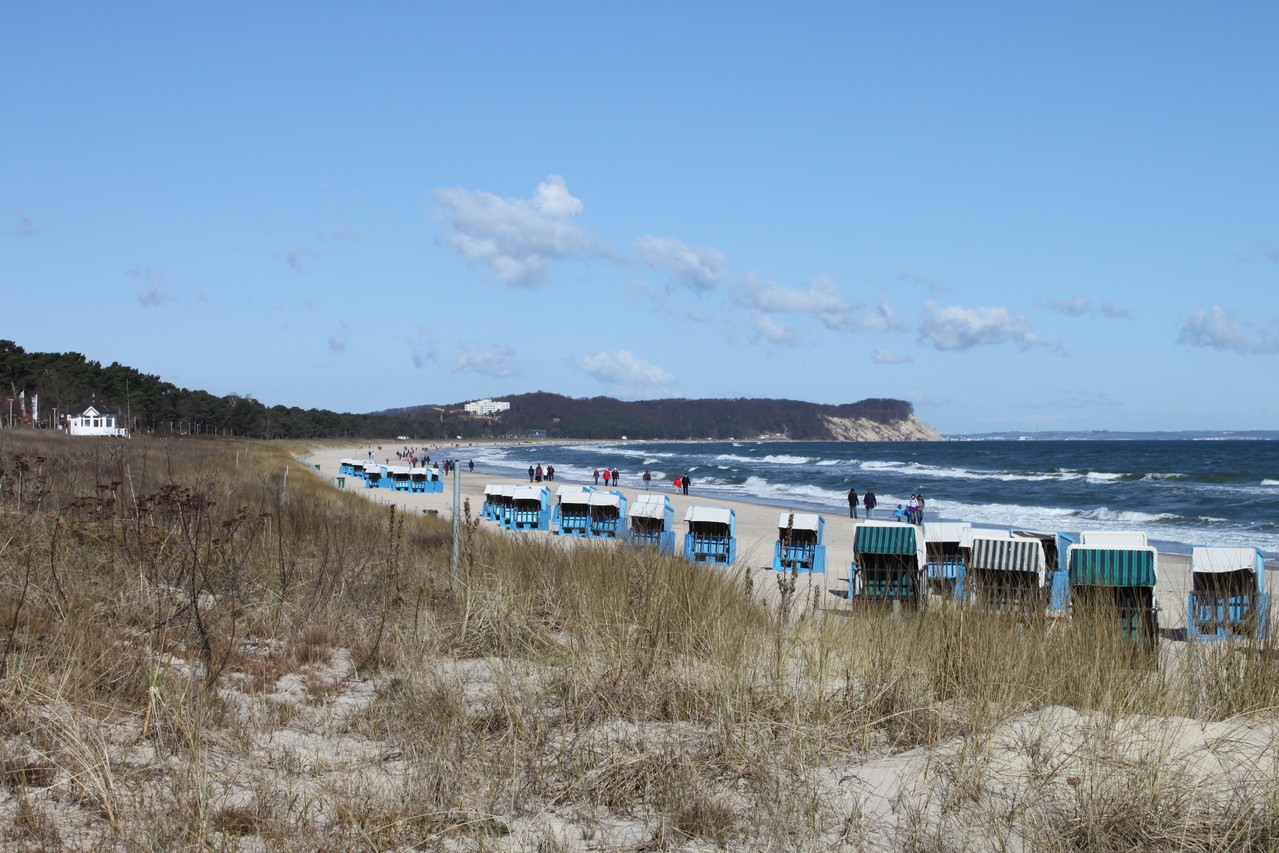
[1017,216]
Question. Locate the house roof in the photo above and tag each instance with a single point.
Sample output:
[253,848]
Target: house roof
[97,405]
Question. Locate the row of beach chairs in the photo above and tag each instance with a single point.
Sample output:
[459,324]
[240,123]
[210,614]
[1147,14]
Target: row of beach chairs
[1025,572]
[400,478]
[1014,572]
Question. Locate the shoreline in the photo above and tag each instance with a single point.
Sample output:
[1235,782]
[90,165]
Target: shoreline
[756,526]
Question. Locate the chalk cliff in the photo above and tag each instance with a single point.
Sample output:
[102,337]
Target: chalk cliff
[908,428]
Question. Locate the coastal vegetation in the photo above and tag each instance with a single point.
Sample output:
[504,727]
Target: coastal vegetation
[149,404]
[194,656]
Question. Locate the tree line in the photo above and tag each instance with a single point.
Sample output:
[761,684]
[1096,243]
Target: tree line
[148,404]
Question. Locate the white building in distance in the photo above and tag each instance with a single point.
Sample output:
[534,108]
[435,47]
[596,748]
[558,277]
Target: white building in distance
[486,407]
[95,418]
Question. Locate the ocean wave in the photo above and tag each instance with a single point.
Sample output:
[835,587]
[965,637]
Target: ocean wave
[937,472]
[825,462]
[1125,516]
[1270,482]
[1164,477]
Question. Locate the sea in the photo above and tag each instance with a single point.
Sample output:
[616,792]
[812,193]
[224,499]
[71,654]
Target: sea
[1181,493]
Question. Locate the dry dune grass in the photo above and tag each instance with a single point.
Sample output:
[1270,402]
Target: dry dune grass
[191,660]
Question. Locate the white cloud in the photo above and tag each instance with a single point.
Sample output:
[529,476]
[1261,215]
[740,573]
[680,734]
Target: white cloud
[516,238]
[935,283]
[1110,309]
[295,254]
[696,268]
[821,297]
[150,293]
[498,361]
[340,232]
[1075,306]
[954,327]
[422,348]
[883,356]
[882,319]
[768,329]
[699,314]
[25,226]
[1216,328]
[821,300]
[1079,306]
[621,367]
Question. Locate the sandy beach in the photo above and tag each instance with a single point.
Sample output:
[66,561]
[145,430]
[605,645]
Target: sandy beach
[756,527]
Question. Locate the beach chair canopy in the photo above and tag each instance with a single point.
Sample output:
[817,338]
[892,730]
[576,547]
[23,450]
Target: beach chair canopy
[402,470]
[945,531]
[507,490]
[527,493]
[1092,566]
[573,494]
[649,506]
[1228,560]
[967,536]
[716,514]
[605,499]
[1113,539]
[886,537]
[1008,555]
[802,521]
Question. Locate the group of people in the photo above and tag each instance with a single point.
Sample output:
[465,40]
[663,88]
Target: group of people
[537,474]
[911,513]
[680,482]
[611,475]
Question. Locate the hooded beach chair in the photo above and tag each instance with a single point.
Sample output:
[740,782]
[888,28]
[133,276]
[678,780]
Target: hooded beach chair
[1228,595]
[943,548]
[799,546]
[711,536]
[573,510]
[531,508]
[607,511]
[1113,576]
[1007,574]
[889,565]
[652,523]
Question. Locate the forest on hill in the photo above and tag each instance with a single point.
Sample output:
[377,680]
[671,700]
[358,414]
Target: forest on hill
[606,417]
[148,404]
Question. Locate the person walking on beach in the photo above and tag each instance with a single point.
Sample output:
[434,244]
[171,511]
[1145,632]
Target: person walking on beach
[852,503]
[869,502]
[675,484]
[470,464]
[648,478]
[550,473]
[684,483]
[607,475]
[920,509]
[539,474]
[530,473]
[617,479]
[597,476]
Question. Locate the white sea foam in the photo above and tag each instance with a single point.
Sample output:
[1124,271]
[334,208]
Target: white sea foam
[783,459]
[938,472]
[1270,482]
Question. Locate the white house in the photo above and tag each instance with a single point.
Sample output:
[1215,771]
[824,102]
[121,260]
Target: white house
[486,407]
[95,418]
